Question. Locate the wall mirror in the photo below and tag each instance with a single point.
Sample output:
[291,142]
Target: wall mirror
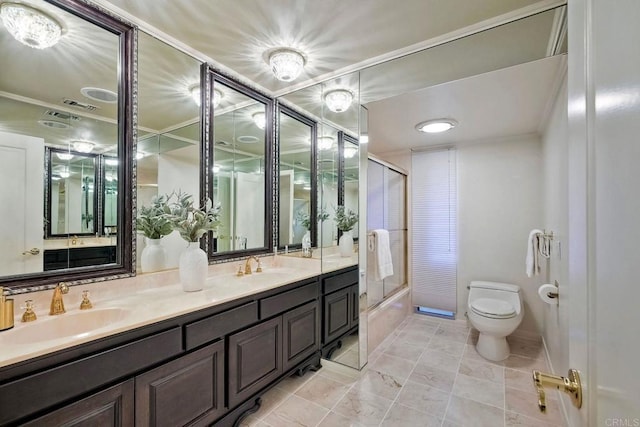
[81,106]
[240,174]
[297,184]
[168,148]
[350,174]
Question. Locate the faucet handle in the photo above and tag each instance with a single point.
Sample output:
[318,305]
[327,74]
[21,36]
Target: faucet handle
[64,287]
[259,268]
[240,272]
[85,304]
[29,315]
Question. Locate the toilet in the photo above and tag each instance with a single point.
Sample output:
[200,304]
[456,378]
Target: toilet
[495,310]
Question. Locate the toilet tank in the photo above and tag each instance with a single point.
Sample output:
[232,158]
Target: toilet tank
[496,286]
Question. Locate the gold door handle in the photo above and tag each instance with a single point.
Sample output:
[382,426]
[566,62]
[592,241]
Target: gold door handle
[570,385]
[33,251]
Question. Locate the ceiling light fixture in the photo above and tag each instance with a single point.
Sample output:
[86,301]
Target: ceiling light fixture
[64,156]
[195,94]
[215,168]
[338,100]
[64,173]
[260,119]
[99,94]
[436,126]
[349,152]
[325,142]
[286,64]
[83,146]
[30,26]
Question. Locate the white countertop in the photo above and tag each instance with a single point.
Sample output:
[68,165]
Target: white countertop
[144,299]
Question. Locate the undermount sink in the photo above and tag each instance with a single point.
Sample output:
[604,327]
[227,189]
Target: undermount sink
[72,324]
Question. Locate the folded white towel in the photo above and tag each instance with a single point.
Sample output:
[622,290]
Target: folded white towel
[382,254]
[532,262]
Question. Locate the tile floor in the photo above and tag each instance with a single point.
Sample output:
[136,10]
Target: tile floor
[426,373]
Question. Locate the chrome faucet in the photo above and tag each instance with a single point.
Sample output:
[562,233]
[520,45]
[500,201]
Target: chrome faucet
[57,304]
[247,265]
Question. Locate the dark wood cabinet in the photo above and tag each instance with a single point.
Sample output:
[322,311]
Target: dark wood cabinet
[337,314]
[182,391]
[255,359]
[340,308]
[112,407]
[301,328]
[355,305]
[55,259]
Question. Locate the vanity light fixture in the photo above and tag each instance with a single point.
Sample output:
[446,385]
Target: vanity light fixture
[83,146]
[325,142]
[349,152]
[286,64]
[30,26]
[259,119]
[436,126]
[195,94]
[64,156]
[338,100]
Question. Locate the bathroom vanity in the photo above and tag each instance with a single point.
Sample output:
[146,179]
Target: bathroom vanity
[180,358]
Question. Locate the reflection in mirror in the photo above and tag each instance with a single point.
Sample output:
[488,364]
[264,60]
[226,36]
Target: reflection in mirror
[351,159]
[297,200]
[328,182]
[73,98]
[72,193]
[110,195]
[241,171]
[168,149]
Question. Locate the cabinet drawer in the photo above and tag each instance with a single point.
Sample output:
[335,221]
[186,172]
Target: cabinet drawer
[339,281]
[287,300]
[218,325]
[37,392]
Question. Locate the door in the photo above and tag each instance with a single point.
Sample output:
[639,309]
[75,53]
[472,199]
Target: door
[21,212]
[604,206]
[250,210]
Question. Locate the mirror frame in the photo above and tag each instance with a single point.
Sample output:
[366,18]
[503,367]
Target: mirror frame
[49,152]
[313,205]
[207,83]
[124,266]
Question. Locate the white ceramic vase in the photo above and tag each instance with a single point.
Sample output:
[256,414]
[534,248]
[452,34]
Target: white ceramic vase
[346,244]
[193,267]
[153,257]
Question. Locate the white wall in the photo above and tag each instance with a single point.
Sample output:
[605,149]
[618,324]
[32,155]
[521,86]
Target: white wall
[556,197]
[499,202]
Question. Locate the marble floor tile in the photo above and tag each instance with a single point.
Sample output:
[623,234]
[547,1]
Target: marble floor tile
[526,347]
[526,403]
[270,400]
[521,380]
[482,370]
[513,419]
[453,348]
[525,363]
[336,420]
[482,391]
[379,383]
[454,333]
[323,391]
[427,329]
[395,366]
[296,411]
[433,377]
[465,412]
[440,360]
[424,398]
[470,353]
[364,408]
[400,415]
[293,383]
[342,375]
[405,351]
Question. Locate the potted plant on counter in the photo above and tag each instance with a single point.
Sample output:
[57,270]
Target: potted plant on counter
[345,220]
[153,224]
[192,223]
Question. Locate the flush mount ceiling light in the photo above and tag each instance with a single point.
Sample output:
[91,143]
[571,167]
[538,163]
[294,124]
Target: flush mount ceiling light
[247,139]
[30,26]
[338,100]
[437,125]
[99,94]
[83,146]
[195,94]
[349,152]
[259,119]
[54,124]
[325,142]
[64,156]
[286,64]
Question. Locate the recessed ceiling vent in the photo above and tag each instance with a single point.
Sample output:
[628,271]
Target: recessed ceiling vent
[78,104]
[61,115]
[99,94]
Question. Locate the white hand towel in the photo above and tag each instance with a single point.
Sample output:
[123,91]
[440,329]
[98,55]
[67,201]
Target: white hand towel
[532,263]
[382,254]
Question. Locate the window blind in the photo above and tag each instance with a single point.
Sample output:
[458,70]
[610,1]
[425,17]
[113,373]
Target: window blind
[434,214]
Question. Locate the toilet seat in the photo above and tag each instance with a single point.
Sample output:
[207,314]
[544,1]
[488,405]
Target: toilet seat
[493,308]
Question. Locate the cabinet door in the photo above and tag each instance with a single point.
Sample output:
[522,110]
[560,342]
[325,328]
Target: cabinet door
[111,407]
[301,334]
[255,359]
[179,392]
[337,314]
[355,305]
